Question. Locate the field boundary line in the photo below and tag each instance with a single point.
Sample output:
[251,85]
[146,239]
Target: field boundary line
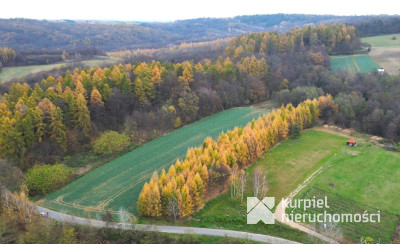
[355,64]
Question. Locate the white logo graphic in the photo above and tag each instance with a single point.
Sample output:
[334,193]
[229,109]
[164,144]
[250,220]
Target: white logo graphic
[260,210]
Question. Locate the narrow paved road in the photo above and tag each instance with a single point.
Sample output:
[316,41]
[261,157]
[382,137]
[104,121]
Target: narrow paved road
[167,229]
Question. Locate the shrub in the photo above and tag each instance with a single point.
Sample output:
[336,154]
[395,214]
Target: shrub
[110,142]
[295,131]
[42,179]
[177,123]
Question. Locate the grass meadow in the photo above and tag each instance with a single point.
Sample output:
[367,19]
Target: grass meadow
[353,179]
[8,73]
[364,178]
[287,165]
[383,40]
[353,64]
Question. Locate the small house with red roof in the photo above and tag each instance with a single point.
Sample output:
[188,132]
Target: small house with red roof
[351,143]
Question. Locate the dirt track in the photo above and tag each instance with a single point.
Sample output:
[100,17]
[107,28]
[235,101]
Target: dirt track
[280,210]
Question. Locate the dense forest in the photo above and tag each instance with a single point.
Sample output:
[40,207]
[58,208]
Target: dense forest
[378,26]
[31,35]
[59,116]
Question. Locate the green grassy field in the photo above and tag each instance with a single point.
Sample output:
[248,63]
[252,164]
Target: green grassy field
[362,178]
[353,63]
[383,41]
[118,183]
[287,165]
[8,73]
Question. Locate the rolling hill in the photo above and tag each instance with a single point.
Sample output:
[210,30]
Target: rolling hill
[28,34]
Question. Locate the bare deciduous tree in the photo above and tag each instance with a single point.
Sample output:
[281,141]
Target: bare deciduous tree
[241,183]
[234,181]
[332,230]
[259,183]
[173,207]
[123,216]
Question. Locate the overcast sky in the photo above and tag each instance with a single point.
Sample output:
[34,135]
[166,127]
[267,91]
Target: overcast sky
[168,10]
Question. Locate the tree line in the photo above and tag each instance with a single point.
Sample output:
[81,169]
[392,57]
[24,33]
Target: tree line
[365,102]
[207,168]
[378,25]
[334,38]
[7,56]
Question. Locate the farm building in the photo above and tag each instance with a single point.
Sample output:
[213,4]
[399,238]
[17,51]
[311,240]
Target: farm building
[381,71]
[351,143]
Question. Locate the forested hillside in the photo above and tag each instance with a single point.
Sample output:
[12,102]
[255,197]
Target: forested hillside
[29,35]
[378,25]
[61,115]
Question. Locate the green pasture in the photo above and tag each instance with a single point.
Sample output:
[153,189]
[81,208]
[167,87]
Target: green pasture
[8,73]
[383,41]
[118,183]
[287,165]
[364,178]
[353,64]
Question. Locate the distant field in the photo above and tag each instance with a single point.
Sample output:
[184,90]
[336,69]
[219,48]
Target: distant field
[387,58]
[353,64]
[9,73]
[118,183]
[383,41]
[386,52]
[362,178]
